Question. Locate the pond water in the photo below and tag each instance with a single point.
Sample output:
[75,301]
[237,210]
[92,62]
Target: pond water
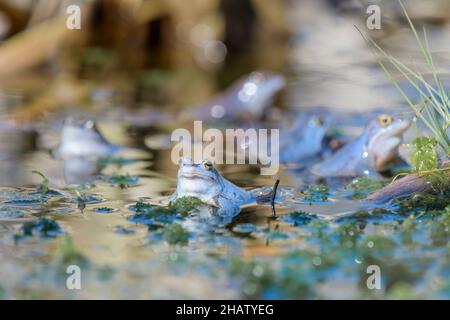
[320,245]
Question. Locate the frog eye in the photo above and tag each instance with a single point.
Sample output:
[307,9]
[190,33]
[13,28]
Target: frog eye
[320,120]
[207,164]
[89,124]
[385,120]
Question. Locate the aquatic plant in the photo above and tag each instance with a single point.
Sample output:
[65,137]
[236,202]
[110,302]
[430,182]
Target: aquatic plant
[316,192]
[175,234]
[44,227]
[363,186]
[299,218]
[440,229]
[43,187]
[154,216]
[434,109]
[186,205]
[140,206]
[103,210]
[424,156]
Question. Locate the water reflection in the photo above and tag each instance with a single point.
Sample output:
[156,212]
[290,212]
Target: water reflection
[80,171]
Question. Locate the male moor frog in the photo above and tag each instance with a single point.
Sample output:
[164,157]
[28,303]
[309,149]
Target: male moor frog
[203,181]
[247,98]
[304,139]
[83,141]
[374,151]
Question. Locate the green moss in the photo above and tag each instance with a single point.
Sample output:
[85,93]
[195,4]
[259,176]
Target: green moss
[317,192]
[425,201]
[424,161]
[424,156]
[363,186]
[103,210]
[300,218]
[153,216]
[140,206]
[175,234]
[44,227]
[440,228]
[186,205]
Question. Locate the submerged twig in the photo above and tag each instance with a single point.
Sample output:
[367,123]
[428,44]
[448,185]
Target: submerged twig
[272,200]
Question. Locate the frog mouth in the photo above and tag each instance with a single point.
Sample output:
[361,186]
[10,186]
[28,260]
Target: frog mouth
[196,176]
[394,132]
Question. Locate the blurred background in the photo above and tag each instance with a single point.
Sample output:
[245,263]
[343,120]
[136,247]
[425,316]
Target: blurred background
[178,53]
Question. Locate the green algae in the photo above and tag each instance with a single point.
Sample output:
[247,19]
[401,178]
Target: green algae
[363,186]
[175,234]
[43,227]
[186,205]
[316,193]
[423,155]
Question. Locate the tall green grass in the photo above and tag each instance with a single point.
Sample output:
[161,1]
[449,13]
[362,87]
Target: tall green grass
[434,108]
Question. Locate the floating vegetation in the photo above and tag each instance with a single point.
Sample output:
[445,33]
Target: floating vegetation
[25,201]
[42,227]
[140,206]
[361,187]
[155,216]
[316,193]
[422,201]
[175,234]
[299,218]
[103,210]
[186,205]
